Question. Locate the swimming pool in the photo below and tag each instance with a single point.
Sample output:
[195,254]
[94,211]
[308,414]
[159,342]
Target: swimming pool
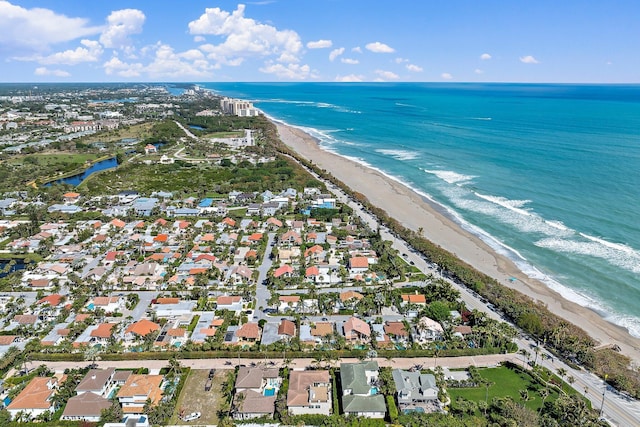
[269,392]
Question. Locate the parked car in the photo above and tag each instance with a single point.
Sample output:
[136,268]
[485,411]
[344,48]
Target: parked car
[192,416]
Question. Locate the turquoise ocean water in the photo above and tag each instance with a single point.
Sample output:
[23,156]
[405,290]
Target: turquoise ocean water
[548,175]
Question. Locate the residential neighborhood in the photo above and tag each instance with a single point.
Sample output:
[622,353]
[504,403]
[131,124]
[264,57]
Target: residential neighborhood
[194,244]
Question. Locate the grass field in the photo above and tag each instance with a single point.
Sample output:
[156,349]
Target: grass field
[20,170]
[504,382]
[235,134]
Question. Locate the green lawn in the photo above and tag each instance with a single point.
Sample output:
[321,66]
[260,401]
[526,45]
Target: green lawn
[504,382]
[21,169]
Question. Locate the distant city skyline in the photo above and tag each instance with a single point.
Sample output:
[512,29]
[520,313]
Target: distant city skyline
[326,40]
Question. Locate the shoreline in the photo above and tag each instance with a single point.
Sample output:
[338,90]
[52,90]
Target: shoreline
[415,211]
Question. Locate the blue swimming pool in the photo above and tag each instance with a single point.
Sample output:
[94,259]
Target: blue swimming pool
[269,392]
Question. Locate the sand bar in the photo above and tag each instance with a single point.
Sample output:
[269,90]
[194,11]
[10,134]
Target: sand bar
[414,211]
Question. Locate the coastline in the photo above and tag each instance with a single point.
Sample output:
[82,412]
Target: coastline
[415,211]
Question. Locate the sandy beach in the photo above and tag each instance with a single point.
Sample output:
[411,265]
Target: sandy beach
[414,211]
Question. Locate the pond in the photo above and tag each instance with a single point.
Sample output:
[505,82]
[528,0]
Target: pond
[78,178]
[196,127]
[19,265]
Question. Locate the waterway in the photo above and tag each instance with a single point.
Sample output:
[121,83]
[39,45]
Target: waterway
[75,180]
[19,265]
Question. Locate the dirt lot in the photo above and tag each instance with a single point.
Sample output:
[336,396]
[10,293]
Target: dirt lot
[195,399]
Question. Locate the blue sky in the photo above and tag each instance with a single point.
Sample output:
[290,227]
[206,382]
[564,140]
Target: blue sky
[320,40]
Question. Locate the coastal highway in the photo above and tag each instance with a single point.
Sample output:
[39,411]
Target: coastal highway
[617,409]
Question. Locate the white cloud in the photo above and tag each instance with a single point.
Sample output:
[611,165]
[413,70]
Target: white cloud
[478,71]
[120,25]
[485,56]
[400,60]
[198,39]
[168,64]
[356,49]
[386,75]
[36,29]
[91,52]
[350,78]
[192,55]
[446,76]
[320,44]
[291,71]
[378,47]
[122,69]
[244,37]
[414,68]
[165,64]
[335,53]
[349,61]
[528,59]
[44,71]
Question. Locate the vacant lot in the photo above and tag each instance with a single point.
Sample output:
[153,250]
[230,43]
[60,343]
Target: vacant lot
[195,399]
[504,382]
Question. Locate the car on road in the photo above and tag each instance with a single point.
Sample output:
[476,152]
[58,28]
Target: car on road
[324,319]
[192,416]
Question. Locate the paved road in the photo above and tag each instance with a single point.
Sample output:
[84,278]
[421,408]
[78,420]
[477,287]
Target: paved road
[262,293]
[300,363]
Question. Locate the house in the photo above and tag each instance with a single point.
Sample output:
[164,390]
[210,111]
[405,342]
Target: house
[356,330]
[71,197]
[137,391]
[102,333]
[108,304]
[283,271]
[288,303]
[309,393]
[322,330]
[360,397]
[231,303]
[427,329]
[414,299]
[414,387]
[248,333]
[150,148]
[256,390]
[462,330]
[287,329]
[350,298]
[358,265]
[35,399]
[291,237]
[396,331]
[140,328]
[97,381]
[85,407]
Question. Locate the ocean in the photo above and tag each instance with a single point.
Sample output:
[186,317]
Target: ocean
[548,175]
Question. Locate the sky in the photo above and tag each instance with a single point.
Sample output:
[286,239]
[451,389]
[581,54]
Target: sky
[541,41]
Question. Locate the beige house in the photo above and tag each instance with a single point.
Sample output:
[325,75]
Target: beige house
[309,393]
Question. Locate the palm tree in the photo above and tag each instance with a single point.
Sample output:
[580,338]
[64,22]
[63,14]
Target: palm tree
[525,355]
[562,372]
[544,393]
[524,395]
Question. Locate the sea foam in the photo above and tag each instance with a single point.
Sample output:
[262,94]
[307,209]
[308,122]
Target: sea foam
[398,154]
[450,176]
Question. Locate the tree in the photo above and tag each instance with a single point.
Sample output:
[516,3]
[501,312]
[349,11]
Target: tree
[438,311]
[562,372]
